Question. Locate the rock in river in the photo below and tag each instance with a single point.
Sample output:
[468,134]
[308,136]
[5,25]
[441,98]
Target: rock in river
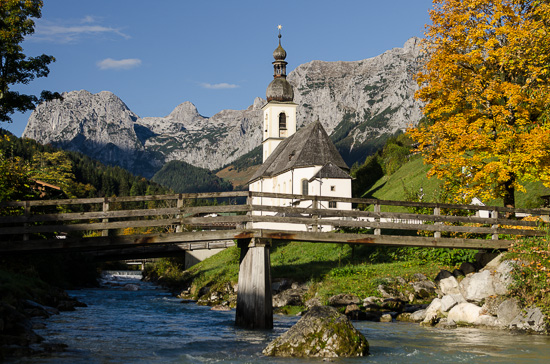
[321,332]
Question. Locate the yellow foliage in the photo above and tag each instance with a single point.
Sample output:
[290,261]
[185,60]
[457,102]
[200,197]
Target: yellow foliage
[486,90]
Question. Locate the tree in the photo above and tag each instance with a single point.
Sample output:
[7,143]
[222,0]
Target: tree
[486,90]
[15,66]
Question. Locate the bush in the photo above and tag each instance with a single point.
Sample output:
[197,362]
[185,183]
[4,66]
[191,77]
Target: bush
[532,272]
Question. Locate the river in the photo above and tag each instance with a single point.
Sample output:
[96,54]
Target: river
[151,326]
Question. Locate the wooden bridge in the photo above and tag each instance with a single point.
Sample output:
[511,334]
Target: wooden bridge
[117,228]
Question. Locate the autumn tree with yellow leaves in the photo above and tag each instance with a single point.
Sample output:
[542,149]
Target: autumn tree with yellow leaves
[486,92]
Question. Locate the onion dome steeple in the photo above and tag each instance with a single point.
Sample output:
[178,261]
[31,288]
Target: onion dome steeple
[279,89]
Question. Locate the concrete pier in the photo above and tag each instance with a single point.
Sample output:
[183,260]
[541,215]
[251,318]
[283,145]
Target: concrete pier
[254,299]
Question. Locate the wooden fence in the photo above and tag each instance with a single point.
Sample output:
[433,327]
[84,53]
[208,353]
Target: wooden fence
[122,222]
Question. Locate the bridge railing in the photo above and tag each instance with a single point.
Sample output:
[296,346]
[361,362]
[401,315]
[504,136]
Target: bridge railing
[180,217]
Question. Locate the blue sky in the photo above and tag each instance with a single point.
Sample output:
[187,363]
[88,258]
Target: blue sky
[155,55]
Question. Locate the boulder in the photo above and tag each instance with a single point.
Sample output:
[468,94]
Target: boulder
[508,310]
[488,321]
[487,260]
[450,300]
[404,317]
[289,297]
[321,332]
[531,320]
[423,289]
[465,313]
[491,305]
[354,312]
[467,268]
[389,292]
[449,285]
[341,300]
[393,304]
[477,286]
[418,316]
[432,313]
[313,302]
[445,323]
[503,277]
[458,273]
[386,318]
[220,308]
[130,287]
[442,275]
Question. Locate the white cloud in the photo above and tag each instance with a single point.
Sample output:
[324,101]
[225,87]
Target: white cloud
[121,64]
[60,33]
[88,19]
[218,86]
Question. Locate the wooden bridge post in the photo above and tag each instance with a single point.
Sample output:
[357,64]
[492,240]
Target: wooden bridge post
[254,298]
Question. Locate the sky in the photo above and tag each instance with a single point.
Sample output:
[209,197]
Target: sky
[217,54]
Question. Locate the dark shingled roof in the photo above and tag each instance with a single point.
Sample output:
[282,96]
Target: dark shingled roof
[309,146]
[329,170]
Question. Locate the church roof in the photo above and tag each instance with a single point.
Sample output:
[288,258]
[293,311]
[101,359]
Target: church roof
[330,170]
[309,146]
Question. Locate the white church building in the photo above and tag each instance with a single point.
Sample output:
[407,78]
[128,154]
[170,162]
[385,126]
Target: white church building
[303,162]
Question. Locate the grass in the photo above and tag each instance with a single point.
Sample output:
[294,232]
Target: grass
[330,269]
[411,177]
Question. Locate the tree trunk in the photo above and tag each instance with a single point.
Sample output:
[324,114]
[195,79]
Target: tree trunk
[509,196]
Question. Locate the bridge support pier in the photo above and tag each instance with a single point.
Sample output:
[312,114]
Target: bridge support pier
[254,299]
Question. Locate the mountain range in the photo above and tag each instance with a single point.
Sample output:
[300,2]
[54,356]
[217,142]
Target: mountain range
[360,104]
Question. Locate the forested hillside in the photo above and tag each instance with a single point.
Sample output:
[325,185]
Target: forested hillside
[183,177]
[23,161]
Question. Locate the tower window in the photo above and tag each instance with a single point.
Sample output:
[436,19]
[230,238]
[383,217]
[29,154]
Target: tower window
[305,185]
[282,121]
[332,204]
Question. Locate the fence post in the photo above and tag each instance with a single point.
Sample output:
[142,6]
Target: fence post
[315,205]
[105,232]
[377,209]
[494,215]
[437,212]
[27,213]
[250,213]
[179,206]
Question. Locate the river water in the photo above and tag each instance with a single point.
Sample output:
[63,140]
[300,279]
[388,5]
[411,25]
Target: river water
[151,326]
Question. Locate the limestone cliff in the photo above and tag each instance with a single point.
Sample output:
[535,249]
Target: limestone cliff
[359,103]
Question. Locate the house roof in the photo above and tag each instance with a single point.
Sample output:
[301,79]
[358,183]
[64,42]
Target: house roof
[309,146]
[330,170]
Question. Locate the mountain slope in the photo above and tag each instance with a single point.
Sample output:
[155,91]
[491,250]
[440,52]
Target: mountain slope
[359,103]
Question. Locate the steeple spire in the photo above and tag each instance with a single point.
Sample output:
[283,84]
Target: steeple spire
[279,89]
[279,65]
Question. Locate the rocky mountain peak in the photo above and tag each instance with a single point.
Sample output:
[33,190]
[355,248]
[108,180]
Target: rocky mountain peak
[359,104]
[184,112]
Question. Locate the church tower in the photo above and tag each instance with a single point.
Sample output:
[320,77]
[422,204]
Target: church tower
[280,110]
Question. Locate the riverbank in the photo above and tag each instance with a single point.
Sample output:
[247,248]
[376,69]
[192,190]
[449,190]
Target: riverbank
[29,289]
[384,284]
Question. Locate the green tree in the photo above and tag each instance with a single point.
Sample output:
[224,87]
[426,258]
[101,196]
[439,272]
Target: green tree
[15,67]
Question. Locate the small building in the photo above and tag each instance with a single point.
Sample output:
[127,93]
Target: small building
[303,162]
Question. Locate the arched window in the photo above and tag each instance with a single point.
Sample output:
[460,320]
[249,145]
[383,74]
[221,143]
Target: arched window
[282,121]
[305,187]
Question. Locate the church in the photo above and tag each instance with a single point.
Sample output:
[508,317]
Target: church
[303,162]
